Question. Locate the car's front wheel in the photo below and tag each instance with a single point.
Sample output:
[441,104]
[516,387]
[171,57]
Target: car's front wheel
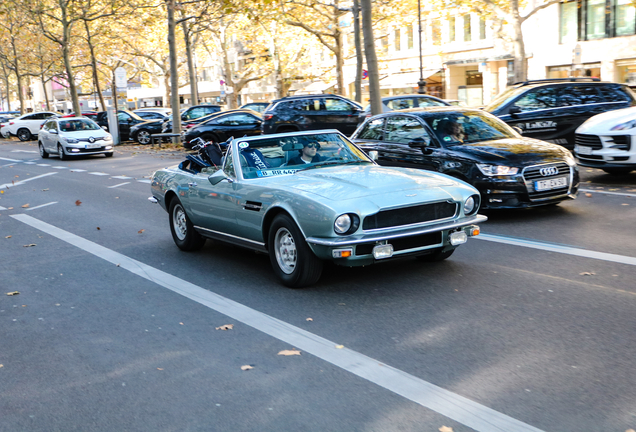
[24,134]
[43,153]
[293,261]
[183,233]
[60,152]
[143,137]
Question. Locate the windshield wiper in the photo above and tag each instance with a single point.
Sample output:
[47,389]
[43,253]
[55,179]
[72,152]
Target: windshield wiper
[326,163]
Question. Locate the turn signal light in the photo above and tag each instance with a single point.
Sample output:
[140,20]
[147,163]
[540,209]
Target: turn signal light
[342,253]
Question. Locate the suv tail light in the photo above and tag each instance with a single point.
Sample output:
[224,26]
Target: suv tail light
[268,116]
[11,123]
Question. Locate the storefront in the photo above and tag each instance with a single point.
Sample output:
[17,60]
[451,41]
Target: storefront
[625,71]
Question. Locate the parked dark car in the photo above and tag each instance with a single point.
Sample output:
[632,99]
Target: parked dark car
[166,125]
[552,109]
[311,112]
[510,171]
[224,125]
[157,113]
[197,111]
[256,106]
[392,103]
[126,120]
[141,132]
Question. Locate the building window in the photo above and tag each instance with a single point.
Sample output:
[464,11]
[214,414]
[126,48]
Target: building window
[409,36]
[467,30]
[384,44]
[510,76]
[595,22]
[451,29]
[482,28]
[626,71]
[397,39]
[474,78]
[436,32]
[625,17]
[569,22]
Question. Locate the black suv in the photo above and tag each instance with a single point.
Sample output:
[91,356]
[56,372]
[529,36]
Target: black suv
[552,109]
[311,112]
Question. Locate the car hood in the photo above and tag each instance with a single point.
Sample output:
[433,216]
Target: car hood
[97,133]
[607,120]
[512,151]
[370,181]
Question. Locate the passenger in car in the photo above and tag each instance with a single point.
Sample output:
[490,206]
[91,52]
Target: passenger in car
[307,155]
[450,131]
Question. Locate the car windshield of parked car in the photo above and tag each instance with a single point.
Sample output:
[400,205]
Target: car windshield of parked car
[466,128]
[286,155]
[78,125]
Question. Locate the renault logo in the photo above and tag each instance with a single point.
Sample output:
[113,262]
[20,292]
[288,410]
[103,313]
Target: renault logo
[91,140]
[549,171]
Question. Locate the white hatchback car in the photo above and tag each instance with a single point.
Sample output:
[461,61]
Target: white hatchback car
[74,136]
[27,127]
[608,141]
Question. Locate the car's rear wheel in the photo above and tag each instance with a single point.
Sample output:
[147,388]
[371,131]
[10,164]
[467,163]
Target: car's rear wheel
[183,233]
[143,137]
[437,255]
[24,134]
[618,171]
[60,152]
[43,153]
[293,261]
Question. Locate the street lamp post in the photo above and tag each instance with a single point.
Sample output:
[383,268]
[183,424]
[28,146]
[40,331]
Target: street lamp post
[421,84]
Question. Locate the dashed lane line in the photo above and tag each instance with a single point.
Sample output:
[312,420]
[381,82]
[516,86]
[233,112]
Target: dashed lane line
[12,184]
[10,160]
[607,192]
[98,173]
[117,185]
[564,249]
[40,206]
[458,408]
[144,181]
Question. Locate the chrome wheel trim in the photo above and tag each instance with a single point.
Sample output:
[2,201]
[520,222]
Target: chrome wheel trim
[285,250]
[179,222]
[143,137]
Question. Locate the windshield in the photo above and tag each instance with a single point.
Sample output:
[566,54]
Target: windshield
[456,128]
[501,99]
[78,125]
[287,154]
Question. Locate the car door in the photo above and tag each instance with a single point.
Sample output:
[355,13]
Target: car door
[400,130]
[45,134]
[579,102]
[237,125]
[340,114]
[124,121]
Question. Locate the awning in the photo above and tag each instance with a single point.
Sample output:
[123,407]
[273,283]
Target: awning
[407,79]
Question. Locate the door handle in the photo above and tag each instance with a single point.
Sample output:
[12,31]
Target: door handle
[192,184]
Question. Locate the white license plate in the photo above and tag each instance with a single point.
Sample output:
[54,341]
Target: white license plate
[554,183]
[584,150]
[93,146]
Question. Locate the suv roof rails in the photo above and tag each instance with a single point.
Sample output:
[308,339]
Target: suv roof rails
[548,80]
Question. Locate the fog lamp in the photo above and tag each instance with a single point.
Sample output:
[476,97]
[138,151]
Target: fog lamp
[458,237]
[383,251]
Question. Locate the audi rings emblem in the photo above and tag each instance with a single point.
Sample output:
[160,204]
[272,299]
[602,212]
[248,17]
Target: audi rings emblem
[549,171]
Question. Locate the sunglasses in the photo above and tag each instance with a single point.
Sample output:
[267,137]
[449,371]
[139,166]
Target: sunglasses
[316,146]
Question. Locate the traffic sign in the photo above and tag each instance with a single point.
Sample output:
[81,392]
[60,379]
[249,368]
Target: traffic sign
[120,78]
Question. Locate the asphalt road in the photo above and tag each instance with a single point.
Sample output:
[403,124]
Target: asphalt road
[529,327]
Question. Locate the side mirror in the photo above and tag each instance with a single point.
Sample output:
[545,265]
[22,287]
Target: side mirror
[53,131]
[418,143]
[105,128]
[217,177]
[373,155]
[514,110]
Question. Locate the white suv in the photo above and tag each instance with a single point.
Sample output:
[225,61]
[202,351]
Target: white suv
[27,127]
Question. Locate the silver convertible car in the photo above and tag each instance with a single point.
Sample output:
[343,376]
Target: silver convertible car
[307,197]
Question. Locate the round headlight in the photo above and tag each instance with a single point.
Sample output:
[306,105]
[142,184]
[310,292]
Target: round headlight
[469,205]
[342,224]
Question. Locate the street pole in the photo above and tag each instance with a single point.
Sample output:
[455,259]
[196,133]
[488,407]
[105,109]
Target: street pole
[174,78]
[421,84]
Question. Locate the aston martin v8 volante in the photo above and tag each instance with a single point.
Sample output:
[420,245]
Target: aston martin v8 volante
[307,197]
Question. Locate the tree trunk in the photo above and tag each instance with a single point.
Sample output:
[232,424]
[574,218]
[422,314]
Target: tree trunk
[194,91]
[46,96]
[338,52]
[174,74]
[359,59]
[16,69]
[372,59]
[519,49]
[91,48]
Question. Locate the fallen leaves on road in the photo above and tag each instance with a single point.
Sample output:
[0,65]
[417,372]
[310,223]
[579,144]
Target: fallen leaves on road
[289,352]
[310,319]
[246,367]
[13,293]
[180,323]
[226,327]
[340,346]
[159,368]
[445,429]
[78,203]
[141,231]
[624,204]
[8,237]
[25,206]
[98,228]
[587,273]
[30,245]
[588,194]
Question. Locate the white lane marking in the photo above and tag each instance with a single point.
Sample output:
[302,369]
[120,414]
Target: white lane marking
[44,164]
[121,177]
[607,192]
[120,184]
[144,181]
[77,170]
[451,405]
[2,208]
[99,174]
[29,163]
[8,185]
[43,205]
[59,167]
[569,250]
[23,151]
[10,160]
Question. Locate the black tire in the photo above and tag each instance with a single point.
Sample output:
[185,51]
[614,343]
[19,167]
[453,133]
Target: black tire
[24,135]
[109,154]
[183,233]
[60,153]
[43,153]
[437,255]
[618,171]
[143,137]
[292,260]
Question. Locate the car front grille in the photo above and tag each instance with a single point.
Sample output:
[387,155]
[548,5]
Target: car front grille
[410,215]
[591,141]
[621,142]
[92,150]
[535,173]
[404,243]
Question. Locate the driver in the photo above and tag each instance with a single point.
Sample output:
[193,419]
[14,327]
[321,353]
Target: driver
[307,155]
